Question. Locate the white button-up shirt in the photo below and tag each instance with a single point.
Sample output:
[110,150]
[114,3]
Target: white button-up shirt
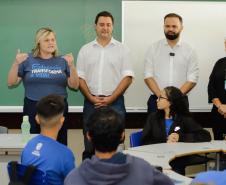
[104,67]
[171,70]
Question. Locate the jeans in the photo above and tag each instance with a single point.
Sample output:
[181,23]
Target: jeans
[89,108]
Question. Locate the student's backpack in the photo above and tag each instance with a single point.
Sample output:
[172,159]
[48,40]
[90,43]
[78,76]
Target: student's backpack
[14,177]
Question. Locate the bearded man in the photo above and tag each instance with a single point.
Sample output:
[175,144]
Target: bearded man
[170,62]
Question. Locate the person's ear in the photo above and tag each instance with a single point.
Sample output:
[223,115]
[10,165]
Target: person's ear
[95,27]
[182,27]
[123,136]
[88,136]
[62,119]
[37,119]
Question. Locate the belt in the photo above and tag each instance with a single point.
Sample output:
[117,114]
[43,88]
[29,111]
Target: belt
[100,95]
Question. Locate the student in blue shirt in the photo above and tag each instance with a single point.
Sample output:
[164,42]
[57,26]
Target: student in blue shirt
[43,151]
[43,72]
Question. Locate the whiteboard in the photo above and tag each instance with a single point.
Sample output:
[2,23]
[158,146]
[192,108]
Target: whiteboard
[204,29]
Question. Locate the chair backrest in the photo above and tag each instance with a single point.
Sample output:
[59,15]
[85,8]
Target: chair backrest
[3,130]
[135,138]
[17,174]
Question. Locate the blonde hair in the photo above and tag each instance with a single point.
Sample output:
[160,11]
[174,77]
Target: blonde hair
[40,34]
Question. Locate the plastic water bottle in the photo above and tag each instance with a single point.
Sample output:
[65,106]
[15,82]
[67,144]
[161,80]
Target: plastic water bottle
[25,129]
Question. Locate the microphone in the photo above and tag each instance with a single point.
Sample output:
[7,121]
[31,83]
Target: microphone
[172,54]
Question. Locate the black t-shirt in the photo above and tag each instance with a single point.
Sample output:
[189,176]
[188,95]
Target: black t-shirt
[216,86]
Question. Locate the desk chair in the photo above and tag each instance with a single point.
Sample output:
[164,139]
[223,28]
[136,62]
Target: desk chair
[3,130]
[135,138]
[27,175]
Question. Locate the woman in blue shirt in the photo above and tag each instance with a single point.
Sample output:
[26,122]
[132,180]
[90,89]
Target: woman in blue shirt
[43,72]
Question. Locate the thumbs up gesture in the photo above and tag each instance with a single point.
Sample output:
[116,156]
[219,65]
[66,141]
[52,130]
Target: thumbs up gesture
[70,59]
[20,57]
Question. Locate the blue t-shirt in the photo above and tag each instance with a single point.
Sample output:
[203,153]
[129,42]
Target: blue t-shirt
[49,156]
[215,177]
[168,123]
[42,77]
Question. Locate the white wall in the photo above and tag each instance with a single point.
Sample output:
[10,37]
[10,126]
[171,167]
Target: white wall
[204,29]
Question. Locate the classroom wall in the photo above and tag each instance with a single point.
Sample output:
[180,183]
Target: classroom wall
[19,21]
[204,29]
[73,23]
[72,20]
[133,120]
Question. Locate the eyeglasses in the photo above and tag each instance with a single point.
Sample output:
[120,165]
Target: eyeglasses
[161,97]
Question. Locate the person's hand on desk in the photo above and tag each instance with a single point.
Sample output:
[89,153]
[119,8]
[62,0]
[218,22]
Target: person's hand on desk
[173,138]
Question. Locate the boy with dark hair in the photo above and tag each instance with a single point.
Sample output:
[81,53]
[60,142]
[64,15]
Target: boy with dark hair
[44,151]
[106,132]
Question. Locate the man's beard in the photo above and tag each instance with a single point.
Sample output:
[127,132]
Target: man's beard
[173,36]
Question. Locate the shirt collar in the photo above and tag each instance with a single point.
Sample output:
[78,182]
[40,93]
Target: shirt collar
[112,42]
[177,45]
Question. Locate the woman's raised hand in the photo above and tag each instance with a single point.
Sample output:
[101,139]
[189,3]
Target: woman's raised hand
[20,57]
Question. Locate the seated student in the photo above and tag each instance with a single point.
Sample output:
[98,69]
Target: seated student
[172,122]
[44,151]
[106,131]
[210,177]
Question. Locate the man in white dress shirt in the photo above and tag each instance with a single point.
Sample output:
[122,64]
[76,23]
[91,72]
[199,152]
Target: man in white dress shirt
[105,72]
[170,62]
